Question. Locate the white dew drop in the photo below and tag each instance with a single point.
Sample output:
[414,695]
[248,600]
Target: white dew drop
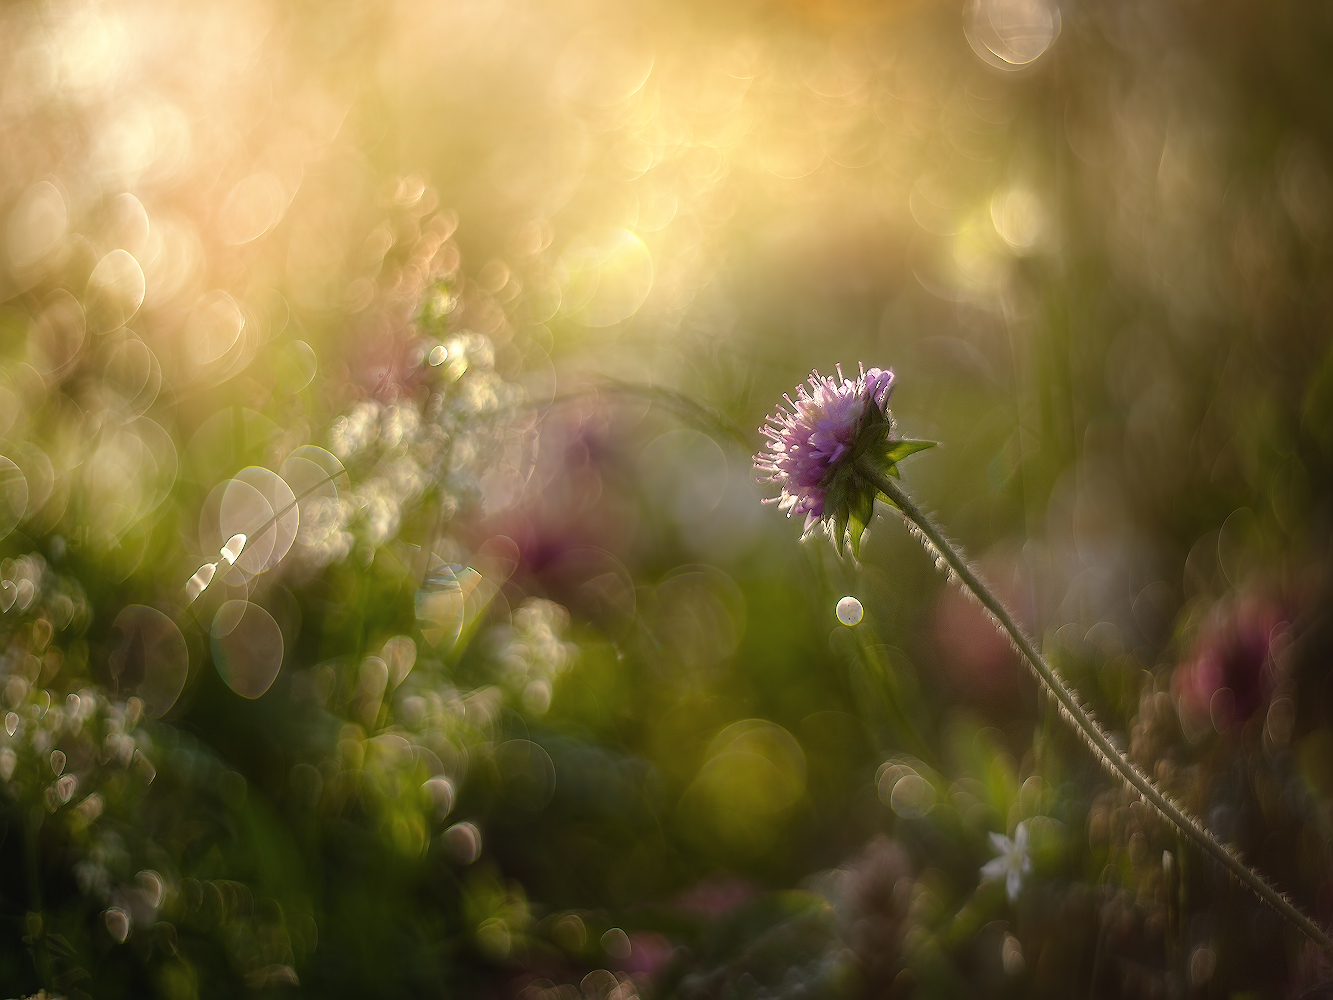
[440,793]
[90,808]
[58,762]
[616,944]
[247,649]
[153,643]
[463,841]
[11,723]
[438,354]
[198,583]
[232,550]
[117,924]
[849,611]
[151,884]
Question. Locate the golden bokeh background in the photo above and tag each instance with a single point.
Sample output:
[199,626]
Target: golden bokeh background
[376,393]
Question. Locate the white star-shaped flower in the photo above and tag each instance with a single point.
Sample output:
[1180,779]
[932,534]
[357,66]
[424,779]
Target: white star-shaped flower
[1013,862]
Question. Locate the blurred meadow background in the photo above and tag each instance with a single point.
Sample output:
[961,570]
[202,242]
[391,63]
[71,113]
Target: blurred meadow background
[464,316]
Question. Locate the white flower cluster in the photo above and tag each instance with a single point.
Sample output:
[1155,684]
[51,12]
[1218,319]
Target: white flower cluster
[600,984]
[396,451]
[67,754]
[351,433]
[323,537]
[29,589]
[419,743]
[52,749]
[532,652]
[424,440]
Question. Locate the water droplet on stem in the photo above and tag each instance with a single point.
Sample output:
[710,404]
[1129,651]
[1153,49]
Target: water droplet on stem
[849,611]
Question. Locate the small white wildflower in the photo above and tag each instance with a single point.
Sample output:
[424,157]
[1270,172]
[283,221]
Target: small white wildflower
[1013,863]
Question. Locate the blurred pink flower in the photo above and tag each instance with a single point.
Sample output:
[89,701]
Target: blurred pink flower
[974,655]
[649,952]
[1229,672]
[715,895]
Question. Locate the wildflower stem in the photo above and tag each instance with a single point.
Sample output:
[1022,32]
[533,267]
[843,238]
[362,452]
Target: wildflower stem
[36,928]
[1115,761]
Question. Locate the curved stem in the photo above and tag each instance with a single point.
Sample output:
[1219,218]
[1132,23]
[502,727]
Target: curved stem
[1078,716]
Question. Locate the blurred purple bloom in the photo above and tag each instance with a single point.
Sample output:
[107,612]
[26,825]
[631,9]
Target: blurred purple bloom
[1234,652]
[1013,862]
[810,435]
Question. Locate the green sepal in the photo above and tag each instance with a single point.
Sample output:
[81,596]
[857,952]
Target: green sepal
[872,438]
[838,490]
[840,527]
[896,451]
[849,497]
[861,510]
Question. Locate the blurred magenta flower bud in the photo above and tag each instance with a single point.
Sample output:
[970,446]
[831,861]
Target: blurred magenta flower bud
[1230,671]
[821,445]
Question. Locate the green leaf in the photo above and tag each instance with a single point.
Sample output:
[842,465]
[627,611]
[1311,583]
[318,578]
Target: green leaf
[857,530]
[896,451]
[838,476]
[838,486]
[871,439]
[840,527]
[861,510]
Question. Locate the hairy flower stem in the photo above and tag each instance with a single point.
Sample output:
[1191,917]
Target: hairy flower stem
[1115,761]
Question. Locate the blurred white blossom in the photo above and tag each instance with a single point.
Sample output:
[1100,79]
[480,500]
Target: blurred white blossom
[1013,863]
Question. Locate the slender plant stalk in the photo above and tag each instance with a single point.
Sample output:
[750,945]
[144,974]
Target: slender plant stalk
[32,832]
[1078,716]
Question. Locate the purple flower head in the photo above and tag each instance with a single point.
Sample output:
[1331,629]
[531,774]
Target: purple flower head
[809,436]
[820,443]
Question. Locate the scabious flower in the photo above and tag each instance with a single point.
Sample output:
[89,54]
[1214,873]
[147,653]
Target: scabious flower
[821,445]
[1012,864]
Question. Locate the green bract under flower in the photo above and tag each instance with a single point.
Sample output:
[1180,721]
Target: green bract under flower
[849,492]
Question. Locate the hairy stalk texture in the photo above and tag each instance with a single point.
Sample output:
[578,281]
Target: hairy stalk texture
[1079,717]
